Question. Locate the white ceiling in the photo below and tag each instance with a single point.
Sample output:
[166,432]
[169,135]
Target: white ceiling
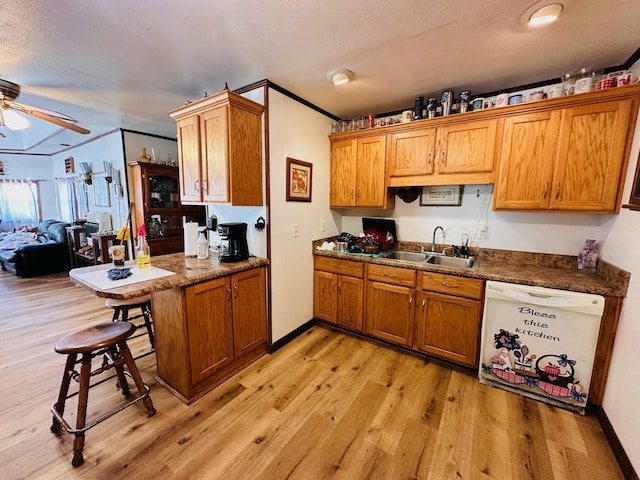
[125,64]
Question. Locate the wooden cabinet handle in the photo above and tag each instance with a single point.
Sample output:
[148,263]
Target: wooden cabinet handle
[445,284]
[339,267]
[339,285]
[546,189]
[390,275]
[205,186]
[430,156]
[235,290]
[228,293]
[444,154]
[410,302]
[424,303]
[197,185]
[557,190]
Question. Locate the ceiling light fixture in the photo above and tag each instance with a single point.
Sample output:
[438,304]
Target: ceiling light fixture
[545,14]
[12,119]
[340,77]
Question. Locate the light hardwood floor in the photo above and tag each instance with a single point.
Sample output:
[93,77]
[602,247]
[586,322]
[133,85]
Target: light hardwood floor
[327,405]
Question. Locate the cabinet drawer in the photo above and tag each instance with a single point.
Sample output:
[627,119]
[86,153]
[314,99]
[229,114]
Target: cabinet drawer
[453,285]
[393,275]
[341,267]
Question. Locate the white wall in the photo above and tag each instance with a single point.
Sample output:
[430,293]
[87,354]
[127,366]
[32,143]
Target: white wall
[35,167]
[106,148]
[622,395]
[298,132]
[559,233]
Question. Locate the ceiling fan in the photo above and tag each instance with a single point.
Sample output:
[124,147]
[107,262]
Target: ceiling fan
[9,91]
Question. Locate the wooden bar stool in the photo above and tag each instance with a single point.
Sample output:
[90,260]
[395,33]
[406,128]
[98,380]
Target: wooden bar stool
[108,340]
[121,310]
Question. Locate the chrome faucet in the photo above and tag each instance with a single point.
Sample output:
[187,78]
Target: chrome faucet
[433,242]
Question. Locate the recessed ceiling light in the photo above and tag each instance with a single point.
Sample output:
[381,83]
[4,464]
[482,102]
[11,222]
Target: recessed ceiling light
[340,77]
[543,13]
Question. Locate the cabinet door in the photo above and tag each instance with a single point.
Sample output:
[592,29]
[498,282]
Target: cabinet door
[411,153]
[526,161]
[245,157]
[389,312]
[349,310]
[448,327]
[467,147]
[590,157]
[215,155]
[210,327]
[325,296]
[343,174]
[249,310]
[189,154]
[370,172]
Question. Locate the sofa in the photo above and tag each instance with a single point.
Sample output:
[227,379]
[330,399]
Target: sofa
[36,253]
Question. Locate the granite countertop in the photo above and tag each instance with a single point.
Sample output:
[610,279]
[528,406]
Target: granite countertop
[188,271]
[526,268]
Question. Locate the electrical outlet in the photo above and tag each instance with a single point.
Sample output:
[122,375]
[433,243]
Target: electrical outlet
[481,234]
[296,230]
[323,226]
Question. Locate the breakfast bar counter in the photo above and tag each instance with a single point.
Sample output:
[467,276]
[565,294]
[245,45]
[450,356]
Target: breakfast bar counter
[209,317]
[186,271]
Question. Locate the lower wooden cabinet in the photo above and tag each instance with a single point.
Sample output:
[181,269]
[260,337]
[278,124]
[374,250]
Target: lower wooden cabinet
[209,331]
[338,292]
[390,293]
[447,322]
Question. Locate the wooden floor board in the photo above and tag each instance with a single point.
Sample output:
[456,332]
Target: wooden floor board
[327,405]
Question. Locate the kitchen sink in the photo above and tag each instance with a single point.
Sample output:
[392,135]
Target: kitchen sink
[406,256]
[431,258]
[458,262]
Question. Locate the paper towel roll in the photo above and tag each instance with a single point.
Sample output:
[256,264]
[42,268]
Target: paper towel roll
[191,239]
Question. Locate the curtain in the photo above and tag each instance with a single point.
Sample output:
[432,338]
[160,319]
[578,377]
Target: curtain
[19,204]
[72,195]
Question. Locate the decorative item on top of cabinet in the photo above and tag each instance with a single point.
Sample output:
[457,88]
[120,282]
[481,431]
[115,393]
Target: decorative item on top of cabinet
[358,173]
[579,158]
[156,204]
[220,149]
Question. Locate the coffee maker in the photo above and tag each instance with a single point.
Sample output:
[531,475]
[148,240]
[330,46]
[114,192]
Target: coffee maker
[233,242]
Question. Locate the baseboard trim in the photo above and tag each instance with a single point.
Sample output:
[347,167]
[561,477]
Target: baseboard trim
[614,442]
[278,344]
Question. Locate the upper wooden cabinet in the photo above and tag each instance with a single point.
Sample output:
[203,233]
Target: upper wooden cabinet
[220,150]
[568,159]
[358,173]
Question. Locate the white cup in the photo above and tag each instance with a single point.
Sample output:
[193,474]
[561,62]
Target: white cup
[502,100]
[626,79]
[556,91]
[583,85]
[405,117]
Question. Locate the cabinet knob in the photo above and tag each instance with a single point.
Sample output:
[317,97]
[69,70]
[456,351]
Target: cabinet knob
[430,155]
[205,186]
[235,290]
[444,154]
[197,184]
[424,303]
[228,293]
[557,190]
[445,284]
[546,189]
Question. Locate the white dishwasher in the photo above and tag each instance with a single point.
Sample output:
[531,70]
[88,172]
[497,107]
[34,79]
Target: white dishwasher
[540,342]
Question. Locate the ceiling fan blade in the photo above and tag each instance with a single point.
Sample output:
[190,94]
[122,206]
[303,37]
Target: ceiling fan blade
[49,118]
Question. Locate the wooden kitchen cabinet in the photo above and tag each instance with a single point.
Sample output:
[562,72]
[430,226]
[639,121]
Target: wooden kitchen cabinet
[209,331]
[220,150]
[448,317]
[389,312]
[358,173]
[155,193]
[570,159]
[338,292]
[461,152]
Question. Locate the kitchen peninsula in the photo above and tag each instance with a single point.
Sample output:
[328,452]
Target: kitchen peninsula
[209,318]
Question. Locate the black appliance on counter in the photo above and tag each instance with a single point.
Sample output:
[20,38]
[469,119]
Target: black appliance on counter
[233,242]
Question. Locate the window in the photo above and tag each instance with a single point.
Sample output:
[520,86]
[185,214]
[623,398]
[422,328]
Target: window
[19,204]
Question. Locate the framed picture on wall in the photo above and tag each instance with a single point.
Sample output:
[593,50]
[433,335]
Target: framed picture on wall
[298,180]
[101,191]
[441,195]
